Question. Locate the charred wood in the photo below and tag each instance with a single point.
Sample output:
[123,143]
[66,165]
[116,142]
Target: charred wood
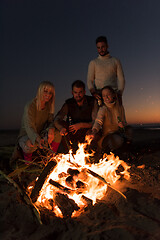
[80,184]
[73,172]
[39,183]
[96,176]
[87,200]
[60,187]
[62,175]
[46,215]
[70,181]
[65,204]
[104,181]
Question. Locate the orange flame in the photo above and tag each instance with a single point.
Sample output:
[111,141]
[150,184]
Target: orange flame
[94,185]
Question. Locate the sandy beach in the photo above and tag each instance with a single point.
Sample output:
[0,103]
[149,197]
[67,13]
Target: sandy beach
[110,218]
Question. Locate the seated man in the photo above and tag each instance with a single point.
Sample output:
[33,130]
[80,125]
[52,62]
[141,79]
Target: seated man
[75,118]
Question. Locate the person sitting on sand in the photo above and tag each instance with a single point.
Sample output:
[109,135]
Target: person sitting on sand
[75,117]
[110,128]
[37,122]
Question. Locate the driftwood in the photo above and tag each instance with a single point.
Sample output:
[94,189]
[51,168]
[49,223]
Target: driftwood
[104,181]
[60,187]
[65,204]
[24,195]
[39,183]
[96,175]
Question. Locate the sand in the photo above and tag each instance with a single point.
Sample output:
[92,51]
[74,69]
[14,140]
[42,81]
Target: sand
[112,218]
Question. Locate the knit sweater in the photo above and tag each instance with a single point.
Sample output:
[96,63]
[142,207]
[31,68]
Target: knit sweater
[107,118]
[105,71]
[34,121]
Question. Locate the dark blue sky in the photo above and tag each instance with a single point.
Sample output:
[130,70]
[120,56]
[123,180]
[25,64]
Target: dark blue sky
[55,40]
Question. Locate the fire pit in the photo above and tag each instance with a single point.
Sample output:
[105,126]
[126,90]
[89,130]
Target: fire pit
[69,183]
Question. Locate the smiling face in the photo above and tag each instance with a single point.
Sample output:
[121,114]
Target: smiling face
[108,96]
[47,93]
[102,48]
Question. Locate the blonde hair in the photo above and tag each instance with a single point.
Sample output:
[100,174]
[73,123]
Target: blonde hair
[40,91]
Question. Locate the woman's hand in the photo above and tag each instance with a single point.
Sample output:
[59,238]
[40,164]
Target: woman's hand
[50,135]
[92,134]
[121,125]
[63,131]
[40,142]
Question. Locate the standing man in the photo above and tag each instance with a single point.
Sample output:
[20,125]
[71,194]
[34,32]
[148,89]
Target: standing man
[76,116]
[105,70]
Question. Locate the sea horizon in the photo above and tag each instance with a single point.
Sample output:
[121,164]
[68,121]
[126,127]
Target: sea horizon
[134,125]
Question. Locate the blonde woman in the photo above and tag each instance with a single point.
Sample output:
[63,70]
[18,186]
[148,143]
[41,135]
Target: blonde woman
[37,121]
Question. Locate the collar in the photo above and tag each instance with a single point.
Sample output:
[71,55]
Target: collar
[104,57]
[110,105]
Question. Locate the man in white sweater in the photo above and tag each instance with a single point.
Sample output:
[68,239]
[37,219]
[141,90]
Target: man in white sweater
[105,70]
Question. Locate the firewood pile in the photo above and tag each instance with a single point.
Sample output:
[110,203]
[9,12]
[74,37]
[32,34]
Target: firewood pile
[110,218]
[73,183]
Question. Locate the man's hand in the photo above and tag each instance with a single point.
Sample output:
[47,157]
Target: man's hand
[50,135]
[75,127]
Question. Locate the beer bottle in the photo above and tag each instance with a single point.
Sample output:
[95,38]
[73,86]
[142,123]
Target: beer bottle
[122,129]
[70,121]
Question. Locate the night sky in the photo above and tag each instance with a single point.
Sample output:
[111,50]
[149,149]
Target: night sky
[55,40]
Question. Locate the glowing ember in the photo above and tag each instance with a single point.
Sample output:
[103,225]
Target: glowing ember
[78,183]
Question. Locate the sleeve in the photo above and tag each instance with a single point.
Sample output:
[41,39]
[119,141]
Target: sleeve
[95,110]
[29,122]
[60,116]
[91,76]
[99,119]
[50,121]
[120,77]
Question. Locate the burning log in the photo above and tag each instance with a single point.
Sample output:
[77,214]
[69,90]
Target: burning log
[39,183]
[70,181]
[87,200]
[104,181]
[63,174]
[65,204]
[96,175]
[73,172]
[61,187]
[80,184]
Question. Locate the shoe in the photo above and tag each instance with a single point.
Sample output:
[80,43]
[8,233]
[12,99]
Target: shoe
[27,157]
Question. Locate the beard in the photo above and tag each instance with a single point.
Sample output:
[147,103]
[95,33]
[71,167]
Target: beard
[79,99]
[103,53]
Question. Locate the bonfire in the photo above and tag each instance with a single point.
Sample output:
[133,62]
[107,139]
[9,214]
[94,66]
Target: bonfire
[69,183]
[70,197]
